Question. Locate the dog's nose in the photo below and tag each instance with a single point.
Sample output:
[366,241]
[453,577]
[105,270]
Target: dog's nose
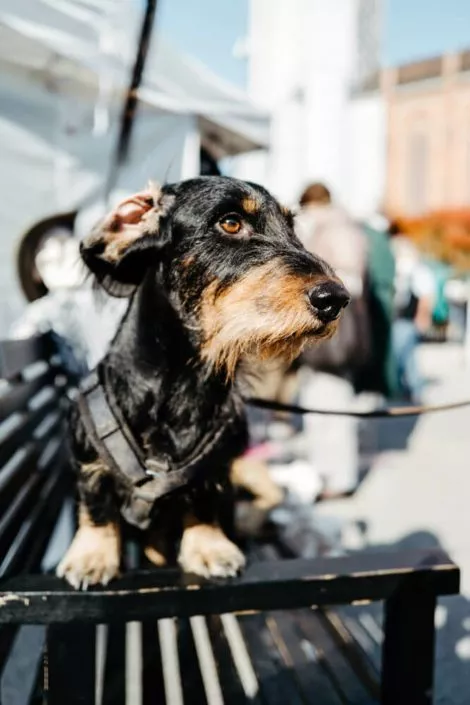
[328,299]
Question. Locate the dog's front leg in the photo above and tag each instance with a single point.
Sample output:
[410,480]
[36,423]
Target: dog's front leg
[205,550]
[95,552]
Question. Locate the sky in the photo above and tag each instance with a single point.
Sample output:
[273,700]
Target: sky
[208,29]
[413,29]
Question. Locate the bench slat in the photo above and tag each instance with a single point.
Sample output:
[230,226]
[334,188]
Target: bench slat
[152,674]
[348,684]
[18,395]
[277,682]
[271,585]
[234,692]
[70,666]
[114,685]
[22,434]
[363,649]
[27,549]
[12,479]
[14,515]
[191,677]
[16,355]
[305,659]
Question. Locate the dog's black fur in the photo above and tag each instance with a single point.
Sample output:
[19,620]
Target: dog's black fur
[172,379]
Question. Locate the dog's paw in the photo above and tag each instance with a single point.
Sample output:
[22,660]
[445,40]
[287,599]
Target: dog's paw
[93,557]
[206,551]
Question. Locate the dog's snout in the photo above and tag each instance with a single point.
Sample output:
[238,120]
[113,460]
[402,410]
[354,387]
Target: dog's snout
[328,299]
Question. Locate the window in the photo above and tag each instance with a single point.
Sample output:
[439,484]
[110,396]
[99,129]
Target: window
[417,171]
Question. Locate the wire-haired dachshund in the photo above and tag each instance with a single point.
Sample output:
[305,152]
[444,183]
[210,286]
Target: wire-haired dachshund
[216,279]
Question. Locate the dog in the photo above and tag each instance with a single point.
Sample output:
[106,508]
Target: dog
[216,278]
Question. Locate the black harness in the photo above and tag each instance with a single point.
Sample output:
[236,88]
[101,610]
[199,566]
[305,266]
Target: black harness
[145,480]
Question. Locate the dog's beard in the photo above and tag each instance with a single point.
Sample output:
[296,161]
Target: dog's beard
[232,345]
[263,315]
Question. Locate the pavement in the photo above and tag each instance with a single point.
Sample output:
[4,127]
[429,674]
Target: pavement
[417,494]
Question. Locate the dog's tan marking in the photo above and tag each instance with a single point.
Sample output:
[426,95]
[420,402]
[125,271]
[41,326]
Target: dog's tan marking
[251,516]
[264,315]
[94,554]
[206,551]
[253,476]
[251,205]
[155,548]
[188,261]
[286,211]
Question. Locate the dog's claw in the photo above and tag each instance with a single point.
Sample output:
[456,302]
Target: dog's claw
[92,559]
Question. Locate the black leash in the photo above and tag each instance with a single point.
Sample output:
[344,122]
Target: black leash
[390,412]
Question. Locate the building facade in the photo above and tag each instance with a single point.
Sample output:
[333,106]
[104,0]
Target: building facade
[305,58]
[428,143]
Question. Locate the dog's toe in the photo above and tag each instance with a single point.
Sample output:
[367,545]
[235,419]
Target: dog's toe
[92,559]
[210,554]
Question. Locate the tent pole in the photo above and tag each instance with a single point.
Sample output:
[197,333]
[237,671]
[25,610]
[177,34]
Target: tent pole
[130,104]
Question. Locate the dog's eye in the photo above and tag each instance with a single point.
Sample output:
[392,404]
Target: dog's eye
[231,224]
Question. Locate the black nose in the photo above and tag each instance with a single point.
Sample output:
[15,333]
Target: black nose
[328,299]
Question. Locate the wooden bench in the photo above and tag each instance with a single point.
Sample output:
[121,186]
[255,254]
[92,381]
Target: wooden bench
[275,635]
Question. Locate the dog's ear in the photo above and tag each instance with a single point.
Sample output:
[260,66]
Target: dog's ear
[128,240]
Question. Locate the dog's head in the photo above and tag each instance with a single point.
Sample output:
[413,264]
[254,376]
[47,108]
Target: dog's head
[230,262]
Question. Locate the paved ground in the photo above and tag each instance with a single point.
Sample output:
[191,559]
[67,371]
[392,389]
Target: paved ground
[418,494]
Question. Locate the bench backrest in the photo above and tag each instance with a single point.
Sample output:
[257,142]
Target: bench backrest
[32,453]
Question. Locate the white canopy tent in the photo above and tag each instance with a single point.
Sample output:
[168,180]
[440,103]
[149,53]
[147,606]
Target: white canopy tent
[64,68]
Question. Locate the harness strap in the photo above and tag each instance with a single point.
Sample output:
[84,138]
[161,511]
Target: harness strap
[105,433]
[145,480]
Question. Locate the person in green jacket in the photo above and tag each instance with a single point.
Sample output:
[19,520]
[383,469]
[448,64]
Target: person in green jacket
[381,374]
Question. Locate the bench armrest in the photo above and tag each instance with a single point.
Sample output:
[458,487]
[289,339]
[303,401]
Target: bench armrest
[285,584]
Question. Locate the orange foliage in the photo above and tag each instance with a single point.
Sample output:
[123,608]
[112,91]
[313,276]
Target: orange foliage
[443,234]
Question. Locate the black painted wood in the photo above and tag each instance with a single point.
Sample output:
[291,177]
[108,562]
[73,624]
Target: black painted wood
[362,648]
[23,433]
[70,665]
[336,668]
[13,478]
[307,659]
[271,585]
[152,675]
[277,680]
[16,512]
[16,355]
[114,686]
[189,665]
[228,675]
[408,650]
[32,540]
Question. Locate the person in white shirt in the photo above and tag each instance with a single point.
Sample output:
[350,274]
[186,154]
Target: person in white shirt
[61,299]
[327,231]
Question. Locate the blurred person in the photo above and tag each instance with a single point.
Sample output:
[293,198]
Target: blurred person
[415,294]
[328,378]
[60,299]
[380,374]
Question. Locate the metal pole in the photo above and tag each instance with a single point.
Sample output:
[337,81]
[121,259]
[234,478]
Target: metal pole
[130,105]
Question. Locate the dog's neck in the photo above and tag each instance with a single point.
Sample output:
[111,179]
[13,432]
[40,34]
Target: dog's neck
[165,390]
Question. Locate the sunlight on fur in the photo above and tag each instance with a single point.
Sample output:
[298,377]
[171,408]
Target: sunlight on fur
[264,315]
